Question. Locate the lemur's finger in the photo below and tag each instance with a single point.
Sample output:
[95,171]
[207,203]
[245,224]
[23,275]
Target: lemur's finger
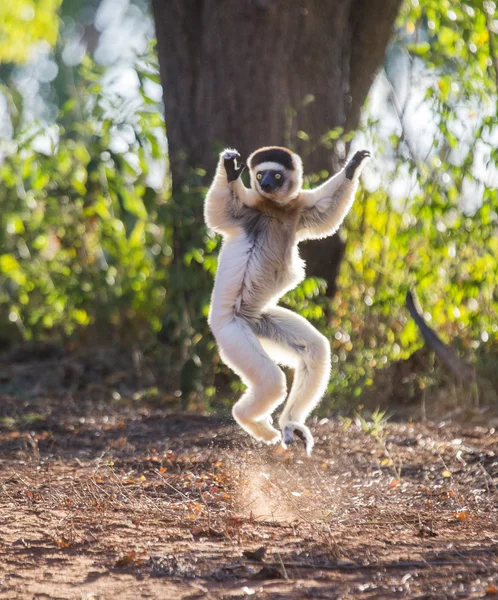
[355,162]
[230,155]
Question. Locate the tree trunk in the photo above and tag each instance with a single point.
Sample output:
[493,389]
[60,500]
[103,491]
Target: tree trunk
[252,73]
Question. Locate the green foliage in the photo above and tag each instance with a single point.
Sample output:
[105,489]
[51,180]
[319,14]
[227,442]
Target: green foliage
[81,236]
[373,424]
[24,23]
[436,239]
[87,242]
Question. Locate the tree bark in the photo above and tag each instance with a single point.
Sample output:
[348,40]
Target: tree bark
[252,73]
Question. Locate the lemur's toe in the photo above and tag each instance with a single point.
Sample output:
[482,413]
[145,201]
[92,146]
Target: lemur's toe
[288,437]
[302,432]
[264,432]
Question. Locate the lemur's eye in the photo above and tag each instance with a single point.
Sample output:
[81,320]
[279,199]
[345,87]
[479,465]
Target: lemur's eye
[278,176]
[259,176]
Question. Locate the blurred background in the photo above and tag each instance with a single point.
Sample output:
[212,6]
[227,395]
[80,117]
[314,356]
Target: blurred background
[106,266]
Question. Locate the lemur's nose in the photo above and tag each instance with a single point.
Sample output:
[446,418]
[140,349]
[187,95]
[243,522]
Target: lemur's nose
[267,182]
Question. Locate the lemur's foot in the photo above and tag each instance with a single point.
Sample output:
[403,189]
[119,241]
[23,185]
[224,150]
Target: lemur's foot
[302,432]
[264,431]
[233,167]
[355,162]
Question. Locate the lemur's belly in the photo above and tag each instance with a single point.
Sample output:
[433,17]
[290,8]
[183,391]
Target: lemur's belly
[253,273]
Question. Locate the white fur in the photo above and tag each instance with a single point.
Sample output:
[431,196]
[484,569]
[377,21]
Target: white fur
[269,166]
[252,333]
[325,196]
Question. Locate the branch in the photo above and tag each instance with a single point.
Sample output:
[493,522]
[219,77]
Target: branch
[355,566]
[445,353]
[492,47]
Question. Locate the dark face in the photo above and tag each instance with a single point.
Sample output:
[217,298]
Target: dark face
[270,181]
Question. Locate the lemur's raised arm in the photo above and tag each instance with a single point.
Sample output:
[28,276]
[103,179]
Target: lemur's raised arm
[325,207]
[227,195]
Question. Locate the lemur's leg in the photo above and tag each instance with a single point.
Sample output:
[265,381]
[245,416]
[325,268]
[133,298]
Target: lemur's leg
[241,350]
[291,340]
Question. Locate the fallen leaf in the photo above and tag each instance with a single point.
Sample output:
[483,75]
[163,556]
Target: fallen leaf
[255,554]
[210,532]
[130,558]
[446,473]
[462,515]
[267,573]
[425,531]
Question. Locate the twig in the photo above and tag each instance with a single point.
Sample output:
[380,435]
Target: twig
[283,566]
[375,566]
[172,487]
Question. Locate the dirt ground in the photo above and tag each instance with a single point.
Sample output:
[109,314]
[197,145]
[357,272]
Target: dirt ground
[107,500]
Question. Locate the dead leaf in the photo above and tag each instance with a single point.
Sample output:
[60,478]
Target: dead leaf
[258,554]
[210,532]
[462,515]
[267,573]
[425,531]
[130,558]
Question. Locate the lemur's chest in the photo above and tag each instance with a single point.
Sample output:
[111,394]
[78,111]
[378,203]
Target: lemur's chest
[271,234]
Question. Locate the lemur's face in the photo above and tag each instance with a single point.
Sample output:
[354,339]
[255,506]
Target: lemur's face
[270,180]
[276,173]
[274,182]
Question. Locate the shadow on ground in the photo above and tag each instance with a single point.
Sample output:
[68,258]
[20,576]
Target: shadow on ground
[127,499]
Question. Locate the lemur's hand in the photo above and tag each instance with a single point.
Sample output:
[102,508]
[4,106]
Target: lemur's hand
[355,162]
[233,167]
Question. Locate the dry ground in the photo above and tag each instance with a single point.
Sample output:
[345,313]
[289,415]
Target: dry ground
[124,501]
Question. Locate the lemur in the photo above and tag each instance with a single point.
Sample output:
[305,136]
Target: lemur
[259,262]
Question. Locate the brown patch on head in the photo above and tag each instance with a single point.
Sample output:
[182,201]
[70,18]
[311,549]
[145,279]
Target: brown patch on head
[283,156]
